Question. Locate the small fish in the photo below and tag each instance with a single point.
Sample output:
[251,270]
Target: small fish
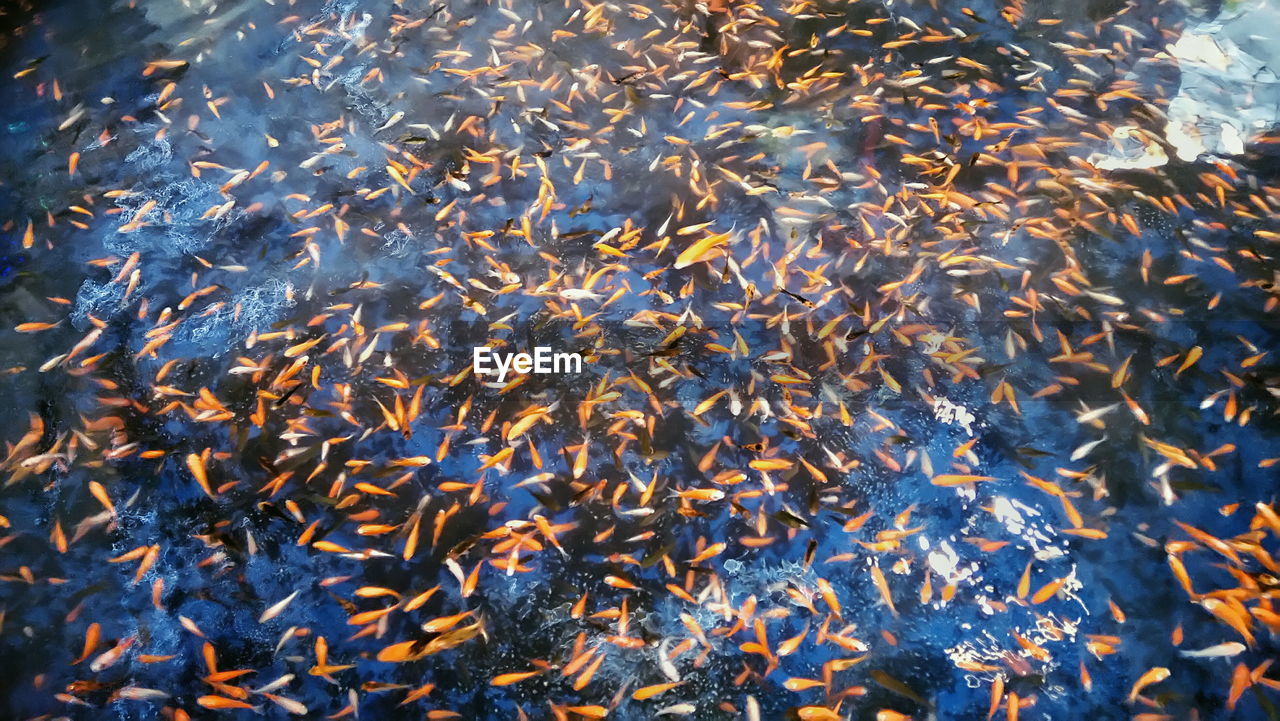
[277,608]
[1222,650]
[138,693]
[222,703]
[1151,676]
[112,655]
[701,249]
[1086,448]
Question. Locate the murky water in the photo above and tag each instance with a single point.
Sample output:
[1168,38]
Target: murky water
[920,277]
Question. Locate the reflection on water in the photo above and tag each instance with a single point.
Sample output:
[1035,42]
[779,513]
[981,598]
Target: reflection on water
[927,373]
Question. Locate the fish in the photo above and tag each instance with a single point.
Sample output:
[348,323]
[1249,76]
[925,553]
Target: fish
[222,703]
[506,679]
[1151,676]
[111,656]
[769,231]
[138,693]
[277,608]
[701,249]
[647,692]
[1221,650]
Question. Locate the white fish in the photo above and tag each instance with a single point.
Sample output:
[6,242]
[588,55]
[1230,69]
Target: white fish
[137,693]
[241,370]
[76,114]
[284,638]
[288,704]
[1222,650]
[578,294]
[108,658]
[397,117]
[275,610]
[276,684]
[1096,413]
[1085,449]
[1104,297]
[664,664]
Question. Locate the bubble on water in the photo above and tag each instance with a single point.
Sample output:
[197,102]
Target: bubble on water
[512,593]
[255,309]
[152,155]
[100,300]
[397,243]
[338,7]
[173,225]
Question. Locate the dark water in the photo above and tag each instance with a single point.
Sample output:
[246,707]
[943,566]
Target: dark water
[608,102]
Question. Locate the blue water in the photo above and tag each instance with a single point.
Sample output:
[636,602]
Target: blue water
[224,561]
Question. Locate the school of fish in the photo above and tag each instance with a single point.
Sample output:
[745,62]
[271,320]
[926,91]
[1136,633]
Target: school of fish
[894,405]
